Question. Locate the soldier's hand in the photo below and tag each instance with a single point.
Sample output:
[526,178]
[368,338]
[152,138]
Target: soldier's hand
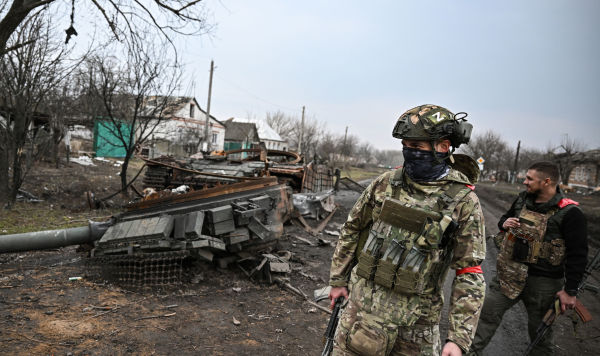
[566,301]
[451,349]
[511,222]
[335,293]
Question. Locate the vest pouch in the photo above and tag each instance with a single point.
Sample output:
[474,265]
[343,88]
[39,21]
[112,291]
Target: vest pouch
[512,275]
[368,337]
[368,257]
[386,268]
[499,239]
[521,250]
[386,271]
[555,251]
[412,274]
[508,243]
[366,265]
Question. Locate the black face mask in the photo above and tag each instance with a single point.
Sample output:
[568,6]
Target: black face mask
[421,166]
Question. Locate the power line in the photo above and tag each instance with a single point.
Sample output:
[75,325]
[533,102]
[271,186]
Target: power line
[254,95]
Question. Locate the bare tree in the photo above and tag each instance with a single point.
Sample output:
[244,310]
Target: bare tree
[490,145]
[347,146]
[389,158]
[291,129]
[564,156]
[282,123]
[530,155]
[135,96]
[364,152]
[310,134]
[28,75]
[60,104]
[123,17]
[327,148]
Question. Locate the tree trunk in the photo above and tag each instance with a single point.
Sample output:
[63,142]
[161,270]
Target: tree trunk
[4,181]
[19,137]
[124,167]
[12,19]
[55,146]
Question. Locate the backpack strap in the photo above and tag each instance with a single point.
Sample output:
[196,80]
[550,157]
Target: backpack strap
[448,201]
[395,181]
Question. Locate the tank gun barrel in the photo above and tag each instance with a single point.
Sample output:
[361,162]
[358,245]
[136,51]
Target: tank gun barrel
[41,240]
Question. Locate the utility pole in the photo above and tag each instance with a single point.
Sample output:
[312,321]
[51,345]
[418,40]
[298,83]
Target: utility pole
[207,123]
[301,133]
[344,148]
[514,177]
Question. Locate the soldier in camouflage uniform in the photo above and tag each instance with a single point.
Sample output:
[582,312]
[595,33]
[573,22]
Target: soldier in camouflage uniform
[403,234]
[543,255]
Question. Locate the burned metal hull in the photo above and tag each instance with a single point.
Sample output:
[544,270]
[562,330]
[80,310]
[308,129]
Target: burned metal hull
[222,219]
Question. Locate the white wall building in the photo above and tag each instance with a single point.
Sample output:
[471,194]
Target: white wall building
[183,128]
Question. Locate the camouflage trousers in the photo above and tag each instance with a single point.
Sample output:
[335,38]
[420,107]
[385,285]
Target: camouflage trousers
[353,339]
[538,295]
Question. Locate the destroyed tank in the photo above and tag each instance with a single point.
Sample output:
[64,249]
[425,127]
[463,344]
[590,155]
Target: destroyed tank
[148,243]
[167,172]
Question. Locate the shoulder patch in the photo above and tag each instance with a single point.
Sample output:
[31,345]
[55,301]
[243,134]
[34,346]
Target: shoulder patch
[564,202]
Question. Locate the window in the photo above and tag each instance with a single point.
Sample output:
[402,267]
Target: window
[581,174]
[214,138]
[192,110]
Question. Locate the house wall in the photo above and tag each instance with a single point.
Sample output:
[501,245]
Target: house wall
[184,133]
[585,175]
[275,145]
[80,139]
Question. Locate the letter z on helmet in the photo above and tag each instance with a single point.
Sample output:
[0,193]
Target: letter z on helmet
[432,122]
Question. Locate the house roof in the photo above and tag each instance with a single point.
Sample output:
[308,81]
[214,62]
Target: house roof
[176,103]
[591,156]
[240,131]
[265,132]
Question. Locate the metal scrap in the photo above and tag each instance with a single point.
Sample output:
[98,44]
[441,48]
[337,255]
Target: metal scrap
[351,184]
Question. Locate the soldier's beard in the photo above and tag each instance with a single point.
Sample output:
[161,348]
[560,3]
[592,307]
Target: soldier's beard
[422,166]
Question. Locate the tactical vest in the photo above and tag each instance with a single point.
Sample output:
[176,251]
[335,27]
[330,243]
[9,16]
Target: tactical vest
[406,247]
[537,243]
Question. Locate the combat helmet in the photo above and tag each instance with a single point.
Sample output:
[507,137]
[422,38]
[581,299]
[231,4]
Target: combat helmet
[432,122]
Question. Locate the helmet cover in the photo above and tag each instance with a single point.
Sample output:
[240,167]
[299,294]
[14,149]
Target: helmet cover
[433,122]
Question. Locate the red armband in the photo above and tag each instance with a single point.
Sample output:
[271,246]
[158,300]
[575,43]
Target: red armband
[564,202]
[475,269]
[472,187]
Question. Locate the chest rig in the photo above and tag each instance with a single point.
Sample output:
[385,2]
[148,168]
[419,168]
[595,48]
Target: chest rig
[527,244]
[524,246]
[406,247]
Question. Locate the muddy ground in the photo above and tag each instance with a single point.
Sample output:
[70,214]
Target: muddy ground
[218,312]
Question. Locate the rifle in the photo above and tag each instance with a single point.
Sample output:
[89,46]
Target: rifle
[331,326]
[580,309]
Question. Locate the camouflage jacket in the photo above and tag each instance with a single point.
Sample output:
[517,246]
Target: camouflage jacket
[467,247]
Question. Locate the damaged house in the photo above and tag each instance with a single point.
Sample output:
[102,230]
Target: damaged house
[586,170]
[240,135]
[181,132]
[268,136]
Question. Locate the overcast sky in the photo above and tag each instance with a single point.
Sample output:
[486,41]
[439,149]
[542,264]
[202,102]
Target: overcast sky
[529,70]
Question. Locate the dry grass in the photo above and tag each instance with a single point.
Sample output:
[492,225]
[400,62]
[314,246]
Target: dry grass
[358,174]
[26,217]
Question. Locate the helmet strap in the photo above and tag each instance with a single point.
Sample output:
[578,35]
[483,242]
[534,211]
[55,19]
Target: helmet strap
[448,156]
